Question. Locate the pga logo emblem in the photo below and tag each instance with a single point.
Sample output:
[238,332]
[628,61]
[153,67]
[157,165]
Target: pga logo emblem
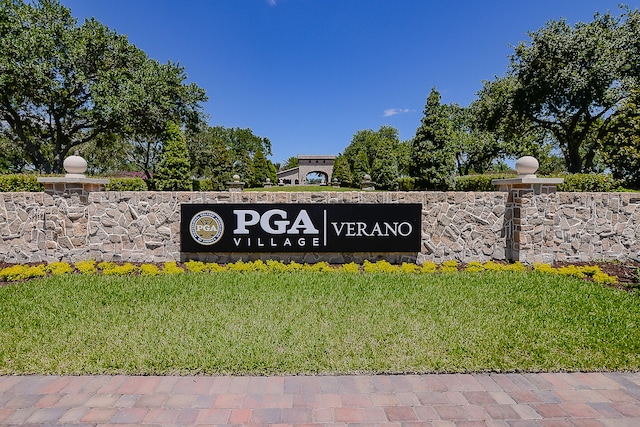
[206,228]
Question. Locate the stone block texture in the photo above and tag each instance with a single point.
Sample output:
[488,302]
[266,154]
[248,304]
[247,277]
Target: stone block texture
[519,225]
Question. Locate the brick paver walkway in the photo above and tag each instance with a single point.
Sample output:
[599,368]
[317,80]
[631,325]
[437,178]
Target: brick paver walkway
[577,399]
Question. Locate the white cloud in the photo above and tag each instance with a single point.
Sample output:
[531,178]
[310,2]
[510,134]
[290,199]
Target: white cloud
[393,111]
[272,2]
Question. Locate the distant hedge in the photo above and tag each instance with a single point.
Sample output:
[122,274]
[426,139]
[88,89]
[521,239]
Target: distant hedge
[16,183]
[583,182]
[406,184]
[580,182]
[126,184]
[478,182]
[206,184]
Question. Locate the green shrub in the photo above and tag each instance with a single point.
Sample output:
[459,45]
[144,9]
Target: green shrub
[240,266]
[406,184]
[580,272]
[126,184]
[450,266]
[475,267]
[203,184]
[106,265]
[380,267]
[580,182]
[428,267]
[320,267]
[194,266]
[13,272]
[171,267]
[409,268]
[22,272]
[113,269]
[214,267]
[14,183]
[351,267]
[86,266]
[59,268]
[276,266]
[149,270]
[478,182]
[110,268]
[173,172]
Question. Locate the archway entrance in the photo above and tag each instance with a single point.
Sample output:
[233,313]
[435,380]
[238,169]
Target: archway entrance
[316,178]
[310,169]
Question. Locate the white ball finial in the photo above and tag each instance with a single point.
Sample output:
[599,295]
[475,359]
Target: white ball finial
[75,166]
[527,165]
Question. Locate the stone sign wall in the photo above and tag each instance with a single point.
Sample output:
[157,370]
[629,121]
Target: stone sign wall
[465,226]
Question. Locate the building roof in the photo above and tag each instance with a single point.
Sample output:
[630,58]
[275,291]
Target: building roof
[319,157]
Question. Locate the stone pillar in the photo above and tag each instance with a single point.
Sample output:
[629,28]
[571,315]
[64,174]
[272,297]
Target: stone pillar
[236,184]
[367,184]
[74,183]
[65,223]
[519,227]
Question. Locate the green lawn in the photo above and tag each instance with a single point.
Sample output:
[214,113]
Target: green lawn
[305,322]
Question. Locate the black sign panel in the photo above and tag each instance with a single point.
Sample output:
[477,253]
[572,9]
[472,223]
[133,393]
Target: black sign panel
[300,227]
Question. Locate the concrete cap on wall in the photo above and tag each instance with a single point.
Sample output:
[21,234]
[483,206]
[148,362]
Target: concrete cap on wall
[526,166]
[75,166]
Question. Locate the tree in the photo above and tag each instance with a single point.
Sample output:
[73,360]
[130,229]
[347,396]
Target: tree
[240,141]
[243,166]
[174,170]
[493,112]
[273,171]
[342,171]
[259,170]
[367,145]
[361,168]
[568,82]
[475,149]
[242,145]
[432,154]
[622,145]
[403,155]
[290,163]
[209,156]
[384,171]
[369,141]
[63,85]
[108,154]
[13,157]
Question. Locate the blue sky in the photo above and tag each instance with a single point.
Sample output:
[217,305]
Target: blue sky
[309,74]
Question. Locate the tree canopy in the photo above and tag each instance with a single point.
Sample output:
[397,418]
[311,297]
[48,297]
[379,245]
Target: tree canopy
[368,145]
[622,147]
[568,83]
[174,170]
[63,84]
[216,153]
[290,163]
[432,152]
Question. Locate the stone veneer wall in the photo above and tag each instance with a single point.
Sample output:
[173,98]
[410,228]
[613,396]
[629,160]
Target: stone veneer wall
[465,226]
[576,227]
